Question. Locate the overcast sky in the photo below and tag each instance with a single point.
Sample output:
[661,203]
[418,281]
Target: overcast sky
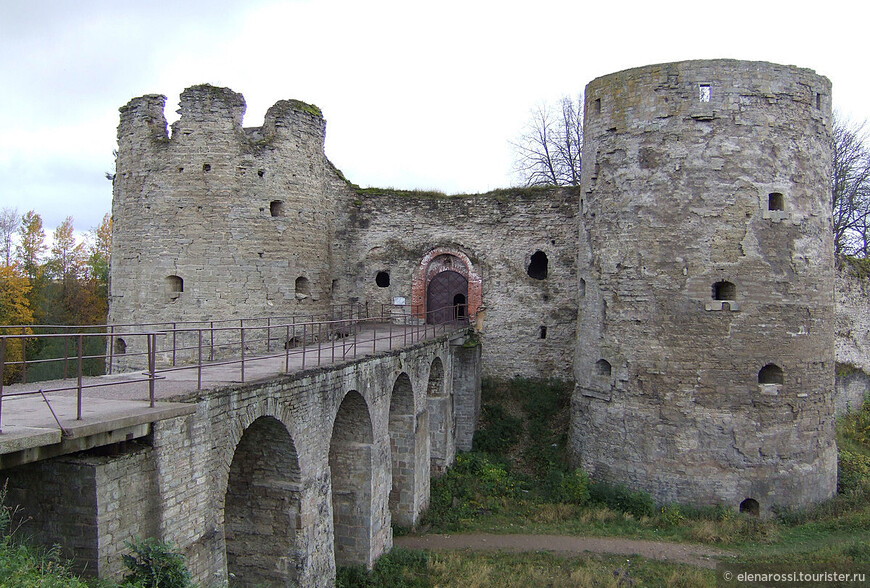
[416,95]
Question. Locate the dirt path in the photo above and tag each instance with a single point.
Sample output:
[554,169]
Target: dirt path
[695,555]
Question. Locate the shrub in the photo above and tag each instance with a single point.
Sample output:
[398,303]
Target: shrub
[499,431]
[620,498]
[853,472]
[155,564]
[569,487]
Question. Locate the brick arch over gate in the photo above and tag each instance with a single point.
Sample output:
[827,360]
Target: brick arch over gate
[443,259]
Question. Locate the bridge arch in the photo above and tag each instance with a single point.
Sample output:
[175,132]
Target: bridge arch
[408,439]
[262,506]
[351,451]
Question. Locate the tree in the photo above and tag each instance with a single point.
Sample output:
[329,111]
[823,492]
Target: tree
[850,188]
[67,257]
[14,310]
[100,250]
[8,228]
[548,149]
[32,244]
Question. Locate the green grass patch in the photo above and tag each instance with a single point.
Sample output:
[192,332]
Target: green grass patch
[407,569]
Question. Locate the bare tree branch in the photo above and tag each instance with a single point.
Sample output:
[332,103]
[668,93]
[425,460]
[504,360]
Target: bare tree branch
[850,188]
[548,149]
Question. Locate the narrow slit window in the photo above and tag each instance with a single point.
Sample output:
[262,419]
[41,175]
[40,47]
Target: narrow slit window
[543,332]
[775,201]
[704,92]
[598,106]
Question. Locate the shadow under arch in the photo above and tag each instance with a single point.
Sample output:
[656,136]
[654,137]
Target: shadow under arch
[262,507]
[350,467]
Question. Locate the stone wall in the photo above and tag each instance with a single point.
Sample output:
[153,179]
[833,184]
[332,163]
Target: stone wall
[704,363]
[852,313]
[527,325]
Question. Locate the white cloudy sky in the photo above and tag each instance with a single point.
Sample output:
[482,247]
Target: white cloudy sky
[416,95]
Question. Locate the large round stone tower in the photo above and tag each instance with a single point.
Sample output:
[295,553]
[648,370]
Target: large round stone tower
[704,364]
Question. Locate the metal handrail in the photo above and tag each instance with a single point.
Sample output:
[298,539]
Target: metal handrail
[346,330]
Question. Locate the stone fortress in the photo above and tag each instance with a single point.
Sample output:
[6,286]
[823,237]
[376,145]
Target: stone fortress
[687,286]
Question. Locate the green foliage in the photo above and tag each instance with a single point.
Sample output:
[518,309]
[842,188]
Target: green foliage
[858,267]
[498,430]
[155,564]
[853,439]
[853,472]
[476,484]
[23,566]
[400,568]
[571,488]
[619,498]
[856,426]
[305,107]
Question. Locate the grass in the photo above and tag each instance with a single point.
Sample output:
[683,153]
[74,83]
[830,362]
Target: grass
[407,568]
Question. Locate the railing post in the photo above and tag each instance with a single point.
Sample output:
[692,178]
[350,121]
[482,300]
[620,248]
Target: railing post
[211,344]
[23,356]
[174,332]
[243,351]
[304,336]
[390,331]
[287,351]
[152,364]
[79,374]
[319,340]
[199,360]
[374,336]
[111,349]
[268,334]
[2,369]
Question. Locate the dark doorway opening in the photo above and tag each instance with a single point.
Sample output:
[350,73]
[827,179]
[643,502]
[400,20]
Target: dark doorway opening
[441,295]
[750,506]
[459,307]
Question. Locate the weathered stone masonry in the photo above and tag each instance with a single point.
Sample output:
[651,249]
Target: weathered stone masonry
[261,478]
[705,350]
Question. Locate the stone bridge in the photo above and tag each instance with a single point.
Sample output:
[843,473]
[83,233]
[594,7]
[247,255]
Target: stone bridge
[273,482]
